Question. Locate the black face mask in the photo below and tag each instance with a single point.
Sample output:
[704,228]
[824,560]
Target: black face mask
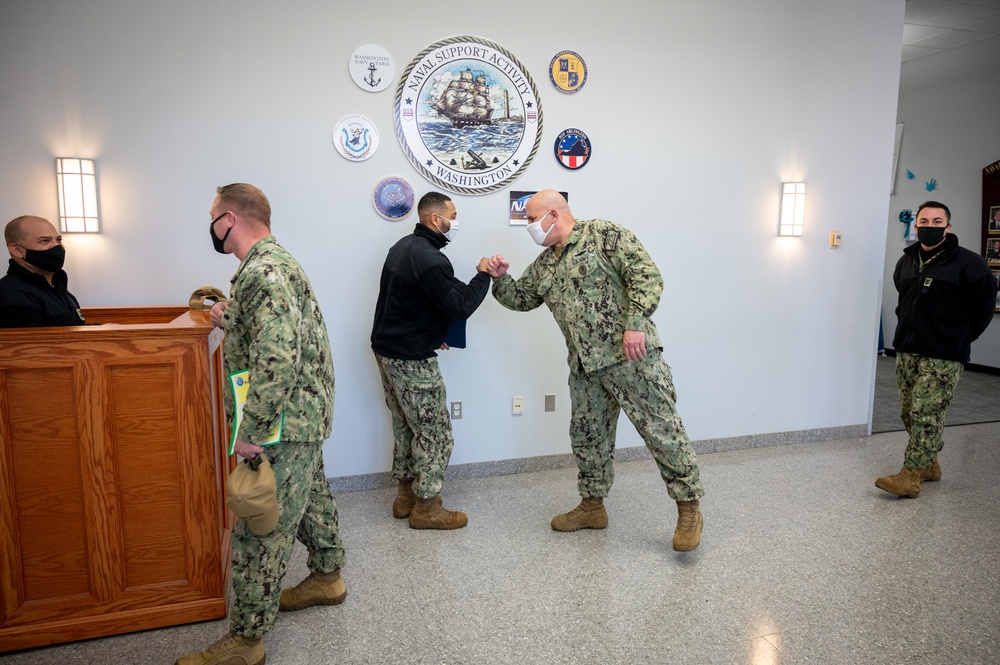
[929,236]
[218,242]
[49,260]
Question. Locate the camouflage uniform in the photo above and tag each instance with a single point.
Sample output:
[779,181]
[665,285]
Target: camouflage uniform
[926,386]
[947,298]
[274,327]
[415,394]
[601,283]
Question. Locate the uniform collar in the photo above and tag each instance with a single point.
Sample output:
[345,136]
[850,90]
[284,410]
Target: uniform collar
[60,279]
[435,238]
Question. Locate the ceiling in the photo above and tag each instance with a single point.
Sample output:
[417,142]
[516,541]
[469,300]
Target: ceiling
[935,26]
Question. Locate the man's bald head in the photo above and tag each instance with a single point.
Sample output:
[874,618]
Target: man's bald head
[22,229]
[550,199]
[550,208]
[33,234]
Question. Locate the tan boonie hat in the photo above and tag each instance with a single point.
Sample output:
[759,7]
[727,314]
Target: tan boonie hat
[253,496]
[204,297]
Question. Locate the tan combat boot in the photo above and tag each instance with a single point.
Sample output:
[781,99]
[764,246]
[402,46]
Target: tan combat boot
[230,650]
[428,514]
[405,498]
[315,589]
[932,473]
[687,534]
[590,514]
[904,483]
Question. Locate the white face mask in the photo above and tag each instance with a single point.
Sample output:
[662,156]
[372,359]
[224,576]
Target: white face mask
[535,230]
[452,230]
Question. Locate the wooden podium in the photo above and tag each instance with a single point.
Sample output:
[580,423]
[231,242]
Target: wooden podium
[112,476]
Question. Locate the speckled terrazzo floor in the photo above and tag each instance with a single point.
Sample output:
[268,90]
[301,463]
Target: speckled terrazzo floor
[802,560]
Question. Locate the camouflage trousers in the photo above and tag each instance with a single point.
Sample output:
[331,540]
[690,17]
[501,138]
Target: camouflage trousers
[926,386]
[644,389]
[421,425]
[308,513]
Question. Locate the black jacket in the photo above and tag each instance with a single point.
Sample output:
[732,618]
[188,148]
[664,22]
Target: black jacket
[419,295]
[947,306]
[27,300]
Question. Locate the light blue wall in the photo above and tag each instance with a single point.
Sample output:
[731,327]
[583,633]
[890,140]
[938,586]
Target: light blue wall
[699,109]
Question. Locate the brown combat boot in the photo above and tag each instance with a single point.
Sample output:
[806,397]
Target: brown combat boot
[405,498]
[230,650]
[428,514]
[687,533]
[905,483]
[590,514]
[932,473]
[315,589]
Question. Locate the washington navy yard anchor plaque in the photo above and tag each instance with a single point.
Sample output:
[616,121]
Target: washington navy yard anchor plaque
[468,115]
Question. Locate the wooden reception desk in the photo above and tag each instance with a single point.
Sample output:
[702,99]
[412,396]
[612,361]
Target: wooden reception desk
[112,476]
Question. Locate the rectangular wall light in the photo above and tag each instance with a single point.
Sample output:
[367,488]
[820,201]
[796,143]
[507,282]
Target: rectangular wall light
[76,183]
[793,203]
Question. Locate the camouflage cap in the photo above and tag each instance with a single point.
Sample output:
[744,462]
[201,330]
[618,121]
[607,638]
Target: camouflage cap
[205,296]
[252,495]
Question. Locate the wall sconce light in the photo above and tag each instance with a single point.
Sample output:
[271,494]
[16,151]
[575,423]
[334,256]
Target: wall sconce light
[76,182]
[793,203]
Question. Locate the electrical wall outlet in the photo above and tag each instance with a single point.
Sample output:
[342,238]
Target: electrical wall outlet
[517,406]
[550,402]
[456,410]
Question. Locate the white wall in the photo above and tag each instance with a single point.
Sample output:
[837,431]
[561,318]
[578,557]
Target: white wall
[699,109]
[948,104]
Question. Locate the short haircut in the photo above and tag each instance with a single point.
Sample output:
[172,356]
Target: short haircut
[246,200]
[430,202]
[935,204]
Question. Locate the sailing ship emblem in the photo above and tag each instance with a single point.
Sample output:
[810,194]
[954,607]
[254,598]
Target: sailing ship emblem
[466,101]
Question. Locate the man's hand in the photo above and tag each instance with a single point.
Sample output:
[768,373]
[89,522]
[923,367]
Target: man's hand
[483,262]
[218,309]
[497,266]
[244,449]
[635,344]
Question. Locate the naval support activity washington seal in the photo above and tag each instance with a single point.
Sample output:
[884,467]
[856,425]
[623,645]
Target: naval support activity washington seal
[468,116]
